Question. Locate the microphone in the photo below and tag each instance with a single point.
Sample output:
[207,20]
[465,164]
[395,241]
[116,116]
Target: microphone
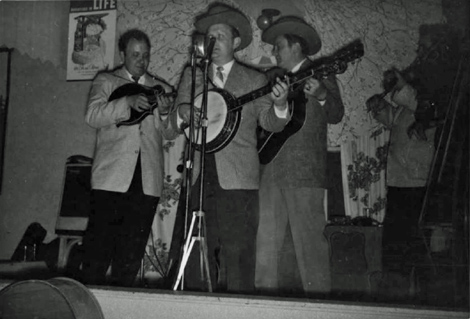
[210,47]
[199,47]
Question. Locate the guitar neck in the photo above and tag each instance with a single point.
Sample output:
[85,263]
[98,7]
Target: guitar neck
[321,68]
[290,80]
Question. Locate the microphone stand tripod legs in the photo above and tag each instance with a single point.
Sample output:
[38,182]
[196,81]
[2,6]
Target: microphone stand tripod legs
[198,217]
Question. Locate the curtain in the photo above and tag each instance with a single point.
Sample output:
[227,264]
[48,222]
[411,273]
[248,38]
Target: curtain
[363,168]
[155,263]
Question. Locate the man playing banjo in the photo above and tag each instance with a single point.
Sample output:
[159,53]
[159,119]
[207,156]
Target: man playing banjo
[232,173]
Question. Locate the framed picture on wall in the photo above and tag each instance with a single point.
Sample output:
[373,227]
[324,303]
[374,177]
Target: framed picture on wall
[91,41]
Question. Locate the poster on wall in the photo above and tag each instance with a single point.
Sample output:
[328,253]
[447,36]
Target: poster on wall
[92,30]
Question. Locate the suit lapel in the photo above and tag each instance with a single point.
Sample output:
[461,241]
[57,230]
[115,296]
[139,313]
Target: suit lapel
[122,73]
[233,79]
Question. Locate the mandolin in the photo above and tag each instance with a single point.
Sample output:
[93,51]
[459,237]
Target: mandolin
[133,88]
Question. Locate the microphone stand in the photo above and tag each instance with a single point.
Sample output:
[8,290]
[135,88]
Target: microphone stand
[198,217]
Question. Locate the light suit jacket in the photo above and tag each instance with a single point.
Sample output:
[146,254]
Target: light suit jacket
[117,148]
[237,163]
[409,159]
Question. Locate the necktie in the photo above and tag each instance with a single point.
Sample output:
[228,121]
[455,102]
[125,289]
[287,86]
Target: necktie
[219,73]
[136,79]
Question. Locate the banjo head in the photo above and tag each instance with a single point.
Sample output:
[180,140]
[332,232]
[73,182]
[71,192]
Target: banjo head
[222,123]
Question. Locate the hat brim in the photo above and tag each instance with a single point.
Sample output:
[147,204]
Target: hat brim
[303,30]
[229,17]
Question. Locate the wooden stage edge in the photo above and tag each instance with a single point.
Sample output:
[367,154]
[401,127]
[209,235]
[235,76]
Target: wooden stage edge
[117,303]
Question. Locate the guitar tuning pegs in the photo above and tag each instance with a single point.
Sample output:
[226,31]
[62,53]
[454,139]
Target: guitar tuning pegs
[342,66]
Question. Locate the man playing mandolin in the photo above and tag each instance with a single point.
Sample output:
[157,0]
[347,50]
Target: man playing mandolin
[293,182]
[232,173]
[127,172]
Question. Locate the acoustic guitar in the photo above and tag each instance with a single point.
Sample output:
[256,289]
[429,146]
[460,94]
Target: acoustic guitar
[269,143]
[133,88]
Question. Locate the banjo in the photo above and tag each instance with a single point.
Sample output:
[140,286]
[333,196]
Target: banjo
[224,110]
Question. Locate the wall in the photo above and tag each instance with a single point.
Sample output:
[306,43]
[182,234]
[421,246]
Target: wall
[45,118]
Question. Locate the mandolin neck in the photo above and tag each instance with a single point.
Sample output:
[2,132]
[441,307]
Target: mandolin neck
[152,97]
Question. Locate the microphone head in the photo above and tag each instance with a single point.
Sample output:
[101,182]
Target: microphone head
[199,45]
[210,42]
[203,45]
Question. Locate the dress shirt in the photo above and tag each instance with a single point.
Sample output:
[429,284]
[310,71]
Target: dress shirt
[225,72]
[141,78]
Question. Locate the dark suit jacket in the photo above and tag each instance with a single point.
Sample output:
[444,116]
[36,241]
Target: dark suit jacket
[301,162]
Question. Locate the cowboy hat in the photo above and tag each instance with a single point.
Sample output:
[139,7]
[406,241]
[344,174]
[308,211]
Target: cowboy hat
[296,26]
[220,13]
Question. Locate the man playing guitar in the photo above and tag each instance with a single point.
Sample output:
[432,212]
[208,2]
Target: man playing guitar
[293,184]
